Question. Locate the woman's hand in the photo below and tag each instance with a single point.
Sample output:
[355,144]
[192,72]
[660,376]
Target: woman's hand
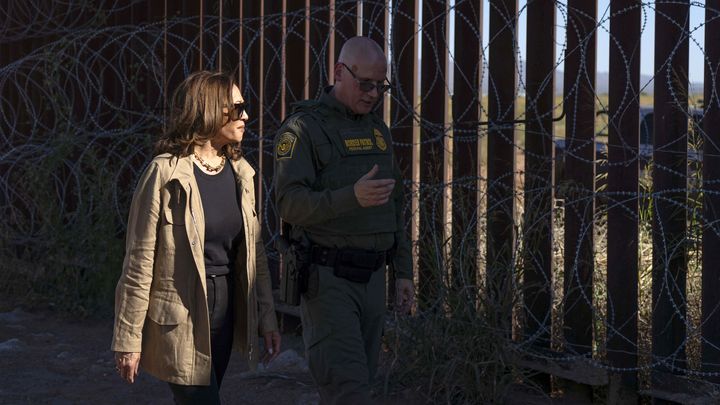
[272,346]
[127,365]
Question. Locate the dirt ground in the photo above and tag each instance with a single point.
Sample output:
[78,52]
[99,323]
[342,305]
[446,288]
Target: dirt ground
[50,359]
[47,359]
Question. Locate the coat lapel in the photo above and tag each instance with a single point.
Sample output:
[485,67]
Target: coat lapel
[244,174]
[194,216]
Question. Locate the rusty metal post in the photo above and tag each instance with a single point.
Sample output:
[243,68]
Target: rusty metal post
[539,178]
[433,171]
[374,20]
[501,159]
[669,184]
[373,15]
[403,108]
[211,26]
[295,73]
[252,62]
[579,182]
[320,31]
[183,51]
[579,99]
[466,100]
[230,52]
[295,65]
[270,111]
[404,75]
[622,187]
[711,196]
[344,25]
[154,85]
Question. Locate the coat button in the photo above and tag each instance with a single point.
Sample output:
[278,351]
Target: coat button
[193,242]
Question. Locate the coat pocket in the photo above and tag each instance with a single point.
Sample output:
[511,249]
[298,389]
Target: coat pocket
[168,347]
[165,312]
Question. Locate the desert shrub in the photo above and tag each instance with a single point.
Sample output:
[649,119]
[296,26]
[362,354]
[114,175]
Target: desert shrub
[453,358]
[64,223]
[456,347]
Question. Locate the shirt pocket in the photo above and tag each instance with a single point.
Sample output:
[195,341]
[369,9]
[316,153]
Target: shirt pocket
[324,154]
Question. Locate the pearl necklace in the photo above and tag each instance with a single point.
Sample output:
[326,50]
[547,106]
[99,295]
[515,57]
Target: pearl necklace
[207,166]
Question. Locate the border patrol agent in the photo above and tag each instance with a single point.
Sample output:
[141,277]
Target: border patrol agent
[337,186]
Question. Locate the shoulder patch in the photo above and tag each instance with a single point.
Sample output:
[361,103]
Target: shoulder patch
[285,145]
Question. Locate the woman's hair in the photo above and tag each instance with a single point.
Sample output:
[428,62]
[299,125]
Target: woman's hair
[196,114]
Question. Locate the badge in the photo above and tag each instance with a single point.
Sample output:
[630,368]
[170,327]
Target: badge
[285,145]
[379,140]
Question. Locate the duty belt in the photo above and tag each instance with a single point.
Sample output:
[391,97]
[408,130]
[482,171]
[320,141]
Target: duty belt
[352,264]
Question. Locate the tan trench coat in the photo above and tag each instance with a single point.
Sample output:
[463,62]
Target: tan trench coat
[160,300]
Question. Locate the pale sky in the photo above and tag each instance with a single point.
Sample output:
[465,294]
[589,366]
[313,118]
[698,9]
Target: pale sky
[697,16]
[647,47]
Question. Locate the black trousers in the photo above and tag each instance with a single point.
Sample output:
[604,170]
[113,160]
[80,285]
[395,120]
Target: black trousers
[220,298]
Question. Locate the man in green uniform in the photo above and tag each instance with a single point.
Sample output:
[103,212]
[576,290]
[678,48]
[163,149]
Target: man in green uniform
[337,185]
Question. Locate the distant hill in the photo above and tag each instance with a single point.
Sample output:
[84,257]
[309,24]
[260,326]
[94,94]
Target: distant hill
[602,83]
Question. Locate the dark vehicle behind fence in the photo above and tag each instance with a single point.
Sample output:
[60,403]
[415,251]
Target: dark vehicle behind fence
[645,149]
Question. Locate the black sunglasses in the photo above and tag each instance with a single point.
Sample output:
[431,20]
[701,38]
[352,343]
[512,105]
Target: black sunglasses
[368,85]
[237,111]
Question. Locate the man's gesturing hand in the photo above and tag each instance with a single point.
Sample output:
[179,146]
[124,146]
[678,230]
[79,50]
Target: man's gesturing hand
[371,192]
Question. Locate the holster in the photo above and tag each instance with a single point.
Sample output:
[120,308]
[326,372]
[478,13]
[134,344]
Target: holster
[295,265]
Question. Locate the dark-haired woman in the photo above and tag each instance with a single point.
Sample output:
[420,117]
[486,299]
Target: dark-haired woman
[195,282]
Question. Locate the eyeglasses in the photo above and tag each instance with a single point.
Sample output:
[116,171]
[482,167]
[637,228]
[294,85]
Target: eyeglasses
[367,86]
[237,111]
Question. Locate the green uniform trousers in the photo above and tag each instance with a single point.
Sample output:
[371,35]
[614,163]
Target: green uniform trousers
[342,328]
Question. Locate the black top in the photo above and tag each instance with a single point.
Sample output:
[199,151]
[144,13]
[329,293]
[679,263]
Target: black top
[223,219]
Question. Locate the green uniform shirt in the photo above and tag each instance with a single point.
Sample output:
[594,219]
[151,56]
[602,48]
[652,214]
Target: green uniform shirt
[321,150]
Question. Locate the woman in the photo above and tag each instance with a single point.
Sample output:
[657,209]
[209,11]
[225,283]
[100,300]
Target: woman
[195,281]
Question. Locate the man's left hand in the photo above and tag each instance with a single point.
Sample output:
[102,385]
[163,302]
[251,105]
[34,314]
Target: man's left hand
[405,295]
[272,346]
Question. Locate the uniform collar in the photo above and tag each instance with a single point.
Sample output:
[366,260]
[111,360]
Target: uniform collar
[334,104]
